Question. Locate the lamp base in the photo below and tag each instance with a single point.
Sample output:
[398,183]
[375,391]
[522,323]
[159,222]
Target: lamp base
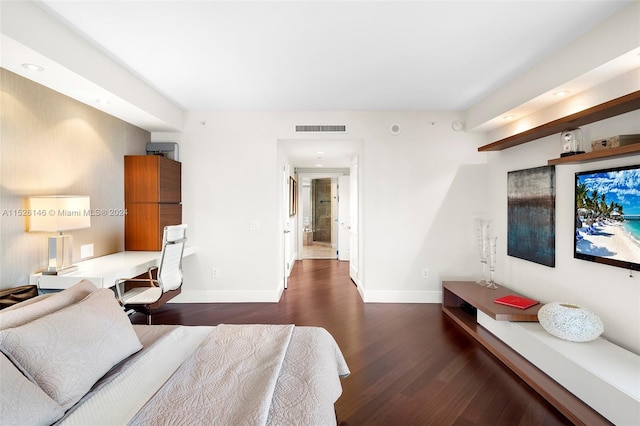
[60,255]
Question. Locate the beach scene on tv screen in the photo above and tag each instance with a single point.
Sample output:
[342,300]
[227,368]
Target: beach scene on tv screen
[608,214]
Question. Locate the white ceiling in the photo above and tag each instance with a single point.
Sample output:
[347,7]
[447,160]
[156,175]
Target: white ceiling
[320,153]
[330,55]
[302,55]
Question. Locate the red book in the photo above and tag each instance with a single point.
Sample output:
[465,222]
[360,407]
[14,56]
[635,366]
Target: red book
[516,301]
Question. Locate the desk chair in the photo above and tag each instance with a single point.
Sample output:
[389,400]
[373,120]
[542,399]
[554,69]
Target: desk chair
[138,294]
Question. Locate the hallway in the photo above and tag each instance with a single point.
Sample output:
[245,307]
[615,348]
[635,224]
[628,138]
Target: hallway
[318,250]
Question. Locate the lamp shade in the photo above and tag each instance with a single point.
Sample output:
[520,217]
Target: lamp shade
[59,213]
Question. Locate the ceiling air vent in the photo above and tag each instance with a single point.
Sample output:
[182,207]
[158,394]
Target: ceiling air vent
[332,128]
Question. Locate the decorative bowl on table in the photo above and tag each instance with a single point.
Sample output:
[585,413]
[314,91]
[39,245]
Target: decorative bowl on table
[570,322]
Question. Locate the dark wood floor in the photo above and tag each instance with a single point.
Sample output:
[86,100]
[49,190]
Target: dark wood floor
[410,365]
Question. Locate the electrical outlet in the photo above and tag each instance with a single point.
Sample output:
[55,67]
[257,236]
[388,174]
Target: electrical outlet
[425,273]
[86,250]
[215,273]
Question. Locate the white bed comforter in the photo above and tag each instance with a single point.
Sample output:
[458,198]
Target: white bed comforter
[225,375]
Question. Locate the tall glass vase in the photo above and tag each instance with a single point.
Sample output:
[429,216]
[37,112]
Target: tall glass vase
[482,229]
[491,261]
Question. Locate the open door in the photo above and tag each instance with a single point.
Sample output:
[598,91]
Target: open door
[344,218]
[286,208]
[354,253]
[321,210]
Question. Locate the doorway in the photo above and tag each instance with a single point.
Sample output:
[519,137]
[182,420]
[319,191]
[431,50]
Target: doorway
[313,158]
[321,203]
[319,208]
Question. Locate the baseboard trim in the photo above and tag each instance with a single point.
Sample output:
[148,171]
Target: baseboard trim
[227,296]
[370,296]
[292,263]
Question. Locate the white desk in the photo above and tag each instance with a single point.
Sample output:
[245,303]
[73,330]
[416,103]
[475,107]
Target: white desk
[103,271]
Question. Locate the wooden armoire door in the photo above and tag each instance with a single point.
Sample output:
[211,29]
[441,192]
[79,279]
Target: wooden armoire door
[152,190]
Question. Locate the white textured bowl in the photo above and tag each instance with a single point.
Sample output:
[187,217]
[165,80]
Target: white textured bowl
[570,322]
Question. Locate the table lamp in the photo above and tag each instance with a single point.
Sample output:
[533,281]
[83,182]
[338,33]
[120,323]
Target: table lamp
[59,213]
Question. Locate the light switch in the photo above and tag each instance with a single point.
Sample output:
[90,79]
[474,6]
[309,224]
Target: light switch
[86,250]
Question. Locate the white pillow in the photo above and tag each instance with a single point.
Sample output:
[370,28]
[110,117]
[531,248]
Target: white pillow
[30,309]
[22,402]
[67,351]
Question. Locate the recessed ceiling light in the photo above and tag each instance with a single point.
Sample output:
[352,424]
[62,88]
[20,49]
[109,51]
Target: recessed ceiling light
[318,165]
[32,67]
[561,93]
[319,152]
[508,117]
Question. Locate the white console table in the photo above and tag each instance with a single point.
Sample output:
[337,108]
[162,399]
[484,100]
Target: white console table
[103,271]
[591,383]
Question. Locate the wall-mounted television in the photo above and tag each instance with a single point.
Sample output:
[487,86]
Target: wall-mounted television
[607,213]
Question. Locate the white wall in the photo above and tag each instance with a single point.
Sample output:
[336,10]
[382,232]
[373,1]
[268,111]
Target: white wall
[231,177]
[419,190]
[606,290]
[51,144]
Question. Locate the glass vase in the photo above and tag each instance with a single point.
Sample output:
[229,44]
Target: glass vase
[491,261]
[482,229]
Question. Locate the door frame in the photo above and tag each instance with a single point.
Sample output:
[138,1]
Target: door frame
[344,218]
[311,175]
[287,151]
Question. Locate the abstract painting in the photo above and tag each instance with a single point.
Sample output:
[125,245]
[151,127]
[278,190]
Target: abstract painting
[531,215]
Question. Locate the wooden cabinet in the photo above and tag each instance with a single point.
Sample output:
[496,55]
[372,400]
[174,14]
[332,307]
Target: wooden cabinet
[152,179]
[152,196]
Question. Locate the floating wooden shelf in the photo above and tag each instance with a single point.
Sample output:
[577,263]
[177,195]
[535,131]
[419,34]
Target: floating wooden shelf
[482,298]
[458,295]
[621,105]
[597,155]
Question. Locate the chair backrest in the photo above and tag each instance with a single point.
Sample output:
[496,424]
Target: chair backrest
[170,268]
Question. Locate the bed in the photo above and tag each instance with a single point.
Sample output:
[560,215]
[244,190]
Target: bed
[74,358]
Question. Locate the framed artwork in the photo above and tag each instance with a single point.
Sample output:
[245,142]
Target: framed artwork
[531,215]
[293,197]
